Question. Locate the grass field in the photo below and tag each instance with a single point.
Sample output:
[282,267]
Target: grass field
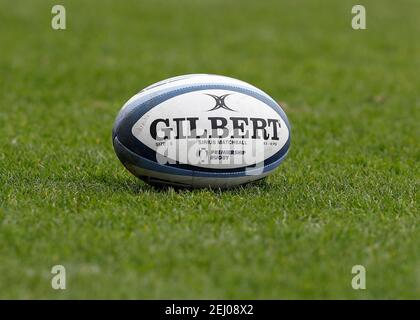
[346,195]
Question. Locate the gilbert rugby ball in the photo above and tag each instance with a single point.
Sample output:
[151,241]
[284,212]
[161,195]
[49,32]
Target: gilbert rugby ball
[201,130]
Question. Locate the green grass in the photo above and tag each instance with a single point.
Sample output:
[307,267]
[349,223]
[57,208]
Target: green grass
[346,195]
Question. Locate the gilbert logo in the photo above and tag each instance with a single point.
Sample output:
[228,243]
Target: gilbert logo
[220,102]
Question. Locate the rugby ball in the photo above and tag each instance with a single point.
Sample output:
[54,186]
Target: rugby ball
[201,130]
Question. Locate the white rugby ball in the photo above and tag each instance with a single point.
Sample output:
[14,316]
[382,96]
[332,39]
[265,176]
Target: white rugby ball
[201,130]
